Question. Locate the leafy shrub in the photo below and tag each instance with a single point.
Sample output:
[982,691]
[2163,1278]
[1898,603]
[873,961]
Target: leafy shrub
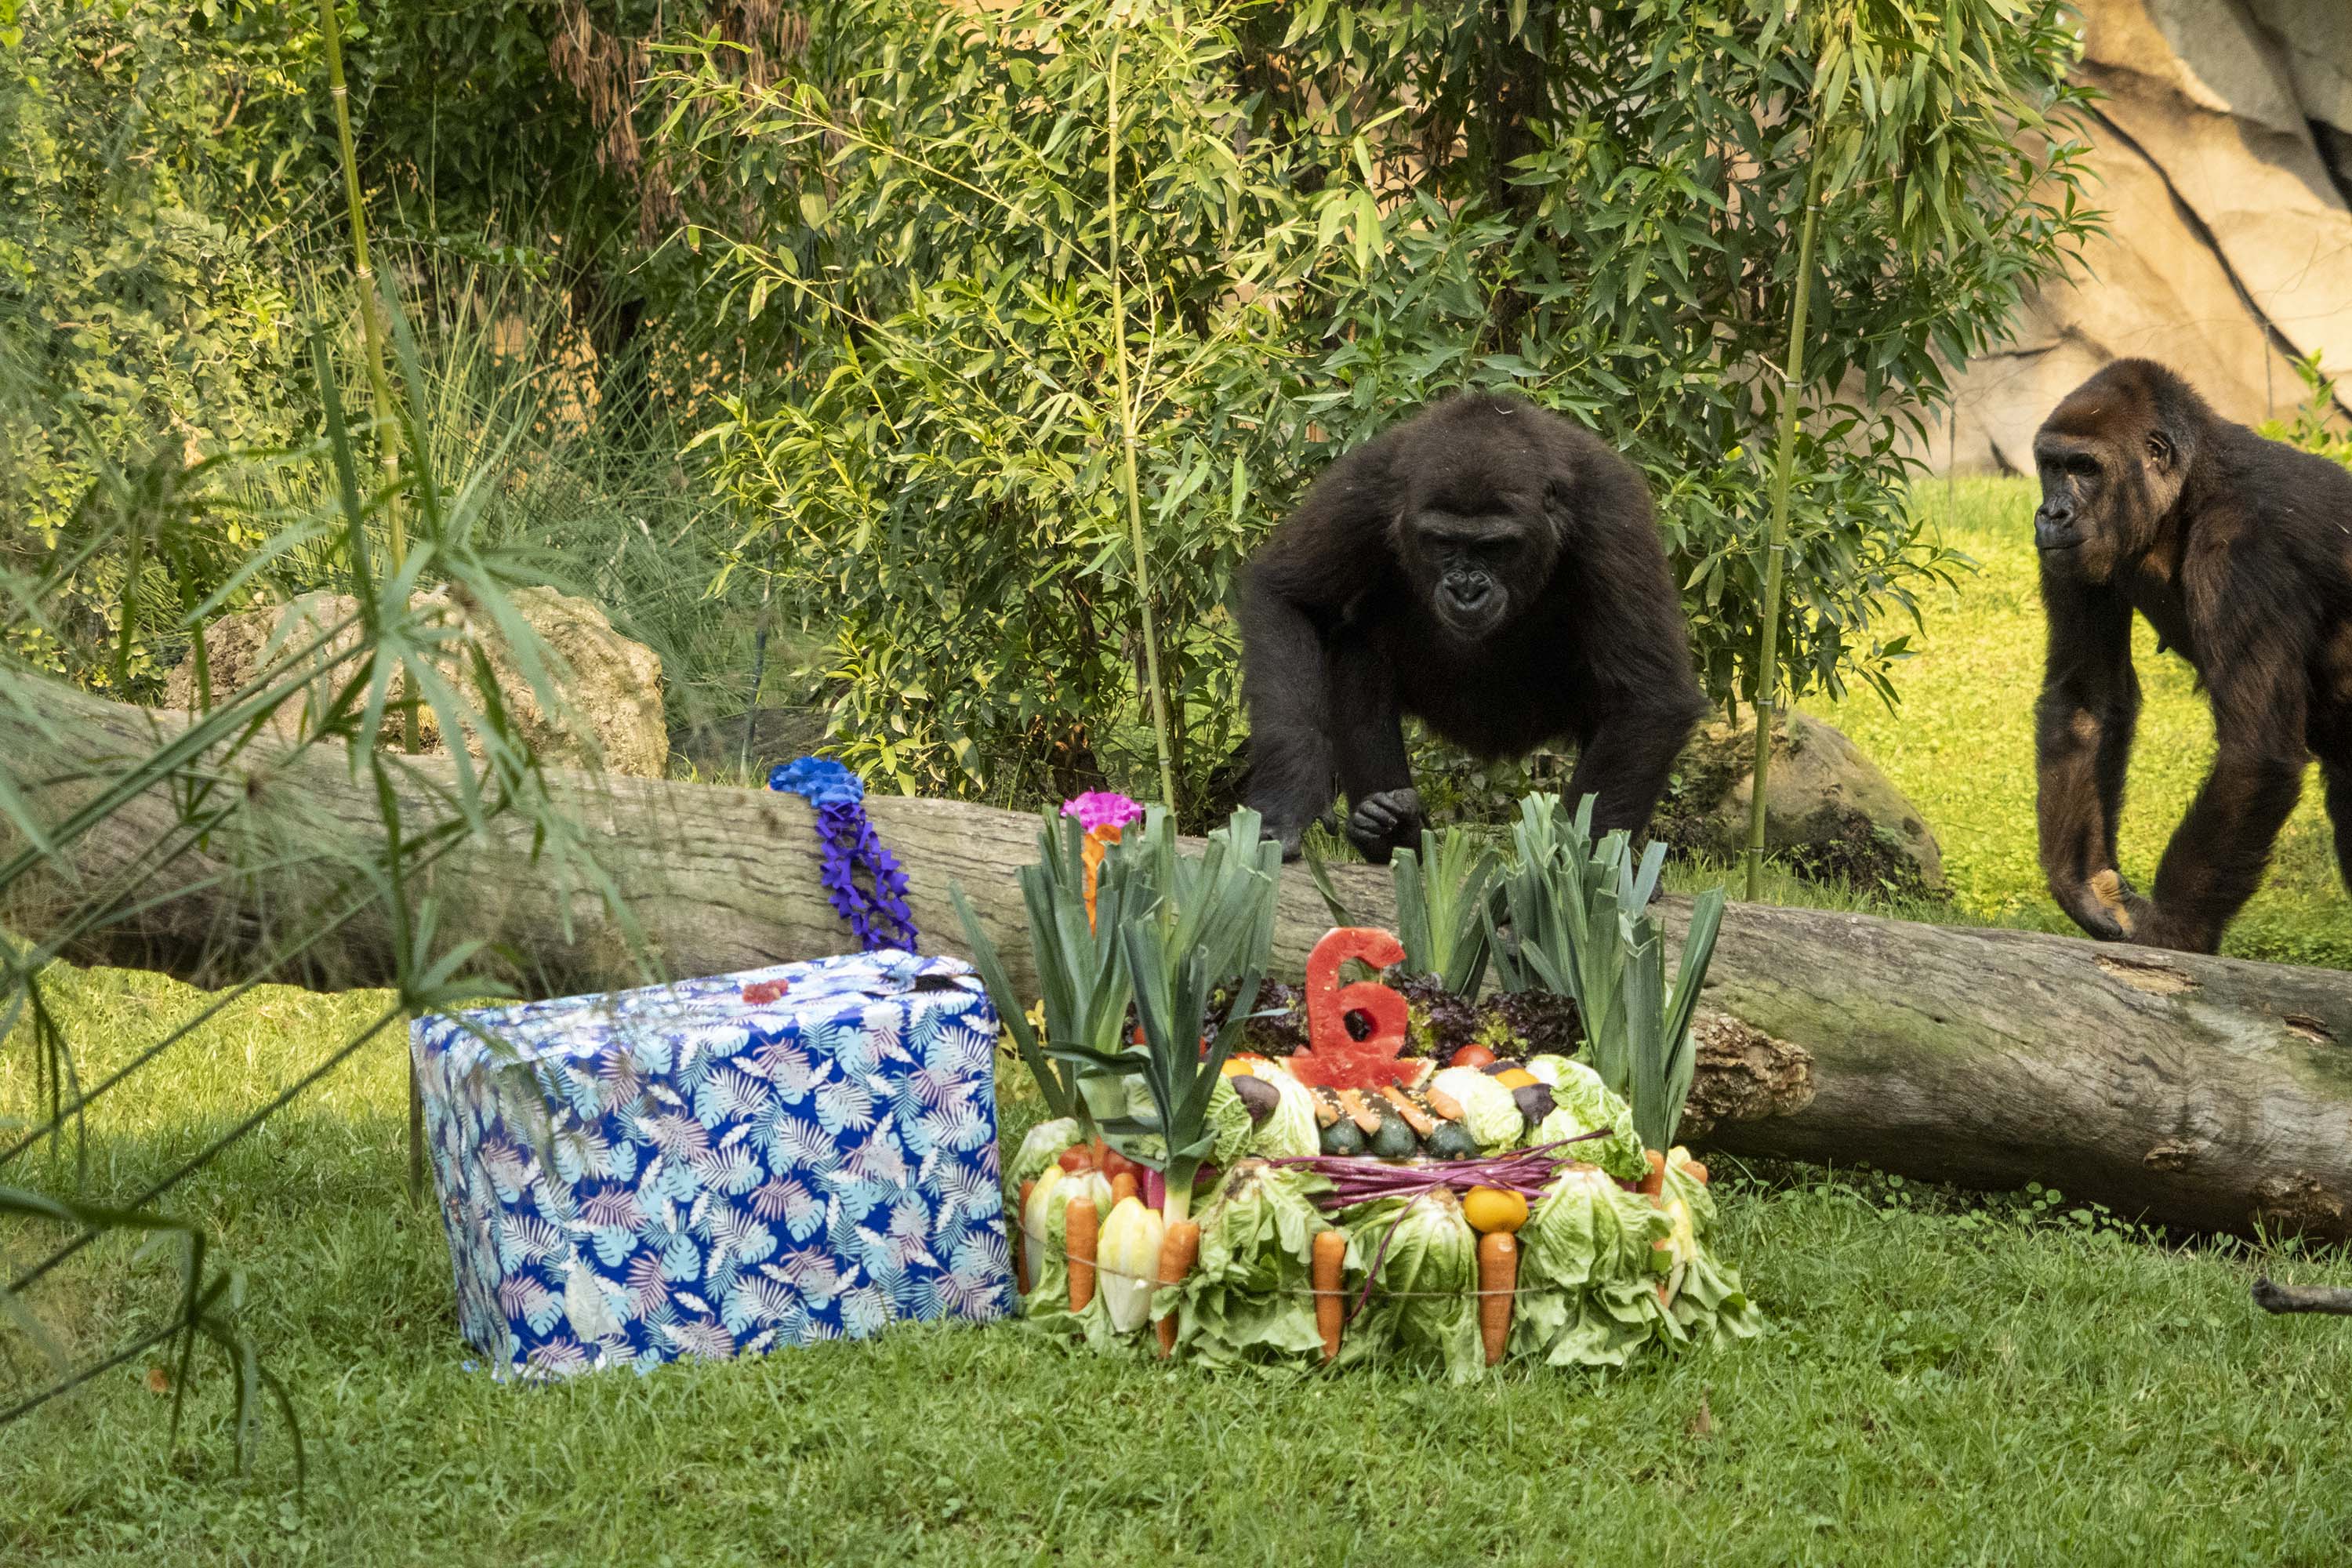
[143,328]
[2315,427]
[1336,212]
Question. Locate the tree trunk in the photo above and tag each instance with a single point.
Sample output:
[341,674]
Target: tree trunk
[2207,1092]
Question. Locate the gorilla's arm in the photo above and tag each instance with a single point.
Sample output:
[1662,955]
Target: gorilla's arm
[1627,763]
[2083,741]
[2250,648]
[1295,598]
[1644,697]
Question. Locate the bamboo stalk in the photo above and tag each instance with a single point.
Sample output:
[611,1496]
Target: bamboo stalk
[1126,445]
[1776,546]
[374,330]
[372,326]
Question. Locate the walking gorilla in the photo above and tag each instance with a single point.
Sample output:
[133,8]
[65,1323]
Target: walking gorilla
[1494,570]
[2239,551]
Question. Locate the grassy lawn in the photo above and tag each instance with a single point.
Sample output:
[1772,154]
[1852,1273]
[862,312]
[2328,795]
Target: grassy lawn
[1946,1379]
[1961,746]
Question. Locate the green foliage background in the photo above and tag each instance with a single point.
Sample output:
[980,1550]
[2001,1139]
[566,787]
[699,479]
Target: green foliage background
[1339,211]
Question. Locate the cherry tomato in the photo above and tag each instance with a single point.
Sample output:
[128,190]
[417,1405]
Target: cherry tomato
[1077,1158]
[1471,1056]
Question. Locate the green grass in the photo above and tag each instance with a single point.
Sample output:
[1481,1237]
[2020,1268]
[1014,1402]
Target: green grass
[1961,746]
[1947,1379]
[1944,1382]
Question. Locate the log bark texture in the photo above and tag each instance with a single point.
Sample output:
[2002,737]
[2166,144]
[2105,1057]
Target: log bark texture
[2206,1092]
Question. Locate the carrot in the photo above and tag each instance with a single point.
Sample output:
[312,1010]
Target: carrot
[1655,1181]
[1082,1227]
[1122,1186]
[1367,1120]
[1442,1103]
[1179,1248]
[1498,1276]
[1414,1116]
[1697,1171]
[1021,1238]
[1330,1258]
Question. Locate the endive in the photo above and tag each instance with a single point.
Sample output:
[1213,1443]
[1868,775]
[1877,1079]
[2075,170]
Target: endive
[1127,1262]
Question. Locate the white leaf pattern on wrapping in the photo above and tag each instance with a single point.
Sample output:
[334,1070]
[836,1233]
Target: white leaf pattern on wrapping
[805,1144]
[844,1105]
[729,1171]
[727,1093]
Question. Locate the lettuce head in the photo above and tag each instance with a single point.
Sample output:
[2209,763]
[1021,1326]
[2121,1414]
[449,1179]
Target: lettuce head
[1582,1103]
[1292,1131]
[1488,1108]
[1039,1149]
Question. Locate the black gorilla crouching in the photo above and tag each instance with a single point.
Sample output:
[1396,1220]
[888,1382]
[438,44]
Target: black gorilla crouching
[1491,569]
[2239,551]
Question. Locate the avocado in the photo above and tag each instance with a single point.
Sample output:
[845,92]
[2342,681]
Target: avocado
[1342,1138]
[1394,1141]
[1259,1097]
[1452,1141]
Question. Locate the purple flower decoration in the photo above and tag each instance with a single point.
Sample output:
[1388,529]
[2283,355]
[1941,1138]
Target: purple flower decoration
[1101,808]
[875,910]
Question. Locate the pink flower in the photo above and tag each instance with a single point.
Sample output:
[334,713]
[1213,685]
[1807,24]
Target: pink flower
[1101,808]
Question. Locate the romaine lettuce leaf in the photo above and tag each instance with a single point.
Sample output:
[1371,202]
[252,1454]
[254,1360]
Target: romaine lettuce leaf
[1248,1299]
[1582,1103]
[1424,1303]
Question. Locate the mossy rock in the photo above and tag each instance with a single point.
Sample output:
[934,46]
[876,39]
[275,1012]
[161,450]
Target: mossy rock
[1830,815]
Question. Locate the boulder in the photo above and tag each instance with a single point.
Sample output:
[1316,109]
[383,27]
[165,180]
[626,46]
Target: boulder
[2222,154]
[1829,813]
[607,709]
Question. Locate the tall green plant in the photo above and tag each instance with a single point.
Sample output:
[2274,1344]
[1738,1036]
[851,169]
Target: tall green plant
[1776,535]
[322,883]
[1913,111]
[1134,494]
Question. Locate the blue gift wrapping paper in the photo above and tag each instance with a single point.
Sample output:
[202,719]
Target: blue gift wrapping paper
[727,1176]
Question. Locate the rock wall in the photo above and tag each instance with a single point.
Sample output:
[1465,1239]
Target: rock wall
[2222,153]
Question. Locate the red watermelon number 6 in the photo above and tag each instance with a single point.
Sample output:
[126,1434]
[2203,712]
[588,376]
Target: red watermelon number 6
[1334,1058]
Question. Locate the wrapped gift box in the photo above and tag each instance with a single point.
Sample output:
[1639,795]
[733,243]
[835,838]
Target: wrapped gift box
[680,1171]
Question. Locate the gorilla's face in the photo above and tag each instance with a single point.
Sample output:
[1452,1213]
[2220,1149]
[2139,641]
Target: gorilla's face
[2076,498]
[2108,479]
[1474,571]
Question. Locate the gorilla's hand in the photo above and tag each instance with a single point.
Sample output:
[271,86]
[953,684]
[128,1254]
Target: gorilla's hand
[2105,906]
[1380,823]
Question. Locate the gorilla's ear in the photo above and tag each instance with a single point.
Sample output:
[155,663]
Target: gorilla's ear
[1559,504]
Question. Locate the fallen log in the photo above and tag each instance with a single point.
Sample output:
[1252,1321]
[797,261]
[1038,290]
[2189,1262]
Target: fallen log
[2206,1092]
